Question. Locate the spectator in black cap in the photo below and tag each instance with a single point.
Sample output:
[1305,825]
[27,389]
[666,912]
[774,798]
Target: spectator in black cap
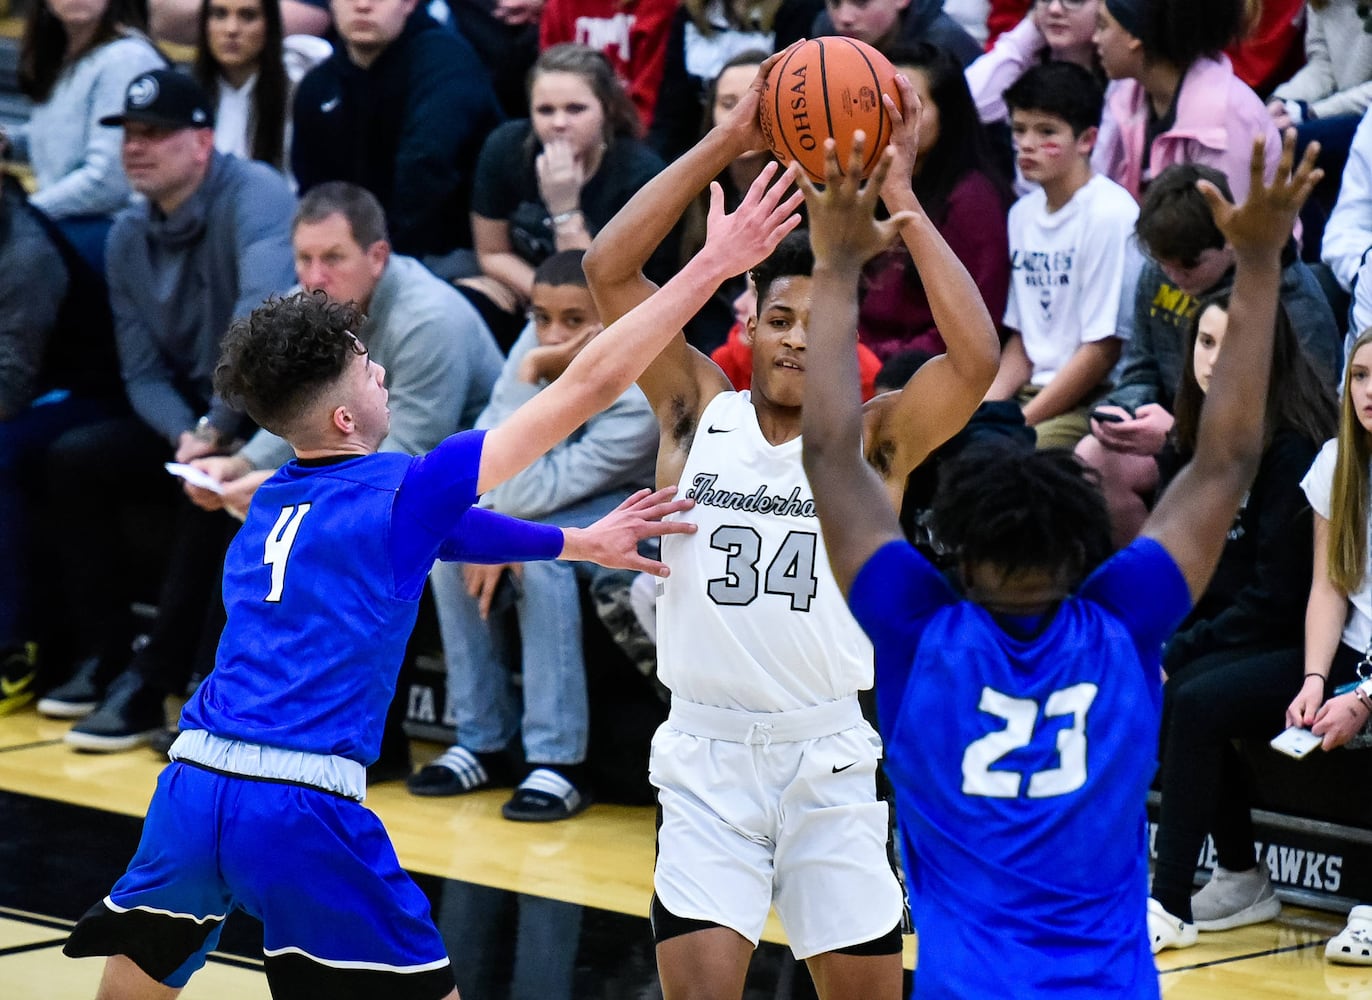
[212,241]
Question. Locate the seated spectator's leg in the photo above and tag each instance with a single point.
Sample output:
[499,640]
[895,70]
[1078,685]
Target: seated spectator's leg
[1064,430]
[1335,136]
[1226,695]
[480,698]
[133,709]
[93,474]
[556,712]
[1128,481]
[24,443]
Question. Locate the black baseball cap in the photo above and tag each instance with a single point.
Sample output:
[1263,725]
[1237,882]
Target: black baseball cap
[165,98]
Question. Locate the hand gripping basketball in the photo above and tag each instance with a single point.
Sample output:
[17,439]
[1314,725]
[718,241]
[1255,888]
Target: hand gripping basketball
[827,88]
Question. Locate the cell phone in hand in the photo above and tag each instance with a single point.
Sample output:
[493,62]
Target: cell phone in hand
[1106,417]
[1296,742]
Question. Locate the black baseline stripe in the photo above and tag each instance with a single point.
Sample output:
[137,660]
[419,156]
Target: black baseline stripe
[237,961]
[1244,958]
[37,919]
[54,923]
[19,949]
[31,746]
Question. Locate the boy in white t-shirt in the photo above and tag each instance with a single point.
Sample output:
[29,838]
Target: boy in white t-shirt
[1068,246]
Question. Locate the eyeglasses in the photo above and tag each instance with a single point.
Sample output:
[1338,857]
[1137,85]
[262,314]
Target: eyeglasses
[1066,4]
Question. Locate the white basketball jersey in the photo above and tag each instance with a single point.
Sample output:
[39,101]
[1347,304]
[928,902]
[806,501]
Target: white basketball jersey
[751,617]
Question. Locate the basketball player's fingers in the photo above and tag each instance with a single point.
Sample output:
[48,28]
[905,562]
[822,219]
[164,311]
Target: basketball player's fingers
[1308,186]
[643,564]
[1220,207]
[1307,174]
[911,108]
[652,516]
[1286,162]
[779,231]
[782,188]
[807,187]
[890,228]
[656,527]
[833,174]
[649,500]
[857,155]
[760,191]
[765,70]
[786,210]
[716,210]
[1257,166]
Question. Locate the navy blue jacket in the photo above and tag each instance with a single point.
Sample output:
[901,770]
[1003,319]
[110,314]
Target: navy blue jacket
[407,128]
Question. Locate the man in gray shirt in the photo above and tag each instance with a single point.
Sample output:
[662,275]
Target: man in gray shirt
[440,358]
[210,243]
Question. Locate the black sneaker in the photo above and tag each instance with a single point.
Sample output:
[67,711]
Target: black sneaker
[18,671]
[79,696]
[131,715]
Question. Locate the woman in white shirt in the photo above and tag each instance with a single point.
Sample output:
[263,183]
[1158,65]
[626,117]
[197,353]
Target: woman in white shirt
[243,62]
[75,62]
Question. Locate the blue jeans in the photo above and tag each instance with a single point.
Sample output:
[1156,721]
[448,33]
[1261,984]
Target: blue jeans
[482,700]
[24,442]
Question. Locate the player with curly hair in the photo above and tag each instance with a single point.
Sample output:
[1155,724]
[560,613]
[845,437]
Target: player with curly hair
[261,807]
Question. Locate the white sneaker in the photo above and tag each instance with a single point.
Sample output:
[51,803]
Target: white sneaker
[1167,931]
[1234,899]
[1353,944]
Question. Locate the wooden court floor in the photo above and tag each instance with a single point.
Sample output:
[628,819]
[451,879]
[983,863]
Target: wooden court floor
[553,911]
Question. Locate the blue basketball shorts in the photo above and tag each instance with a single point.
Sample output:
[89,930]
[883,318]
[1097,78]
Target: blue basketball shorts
[340,916]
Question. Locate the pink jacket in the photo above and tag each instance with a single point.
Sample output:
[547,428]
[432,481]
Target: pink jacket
[1218,116]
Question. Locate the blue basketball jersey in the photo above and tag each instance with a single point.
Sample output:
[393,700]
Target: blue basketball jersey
[1021,769]
[321,586]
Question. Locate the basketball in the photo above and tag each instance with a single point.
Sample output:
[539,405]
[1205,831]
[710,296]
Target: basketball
[826,87]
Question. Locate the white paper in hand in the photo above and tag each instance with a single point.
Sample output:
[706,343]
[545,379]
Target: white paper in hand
[195,477]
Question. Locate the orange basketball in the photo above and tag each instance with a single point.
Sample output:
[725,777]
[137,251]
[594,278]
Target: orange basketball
[829,86]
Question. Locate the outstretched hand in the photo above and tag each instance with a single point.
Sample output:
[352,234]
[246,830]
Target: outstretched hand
[741,239]
[613,540]
[1265,219]
[843,226]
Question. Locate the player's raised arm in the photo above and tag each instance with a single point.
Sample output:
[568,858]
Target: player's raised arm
[614,263]
[905,427]
[850,498]
[610,363]
[1194,515]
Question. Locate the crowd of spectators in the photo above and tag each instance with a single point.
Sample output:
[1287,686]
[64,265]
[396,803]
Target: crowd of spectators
[444,164]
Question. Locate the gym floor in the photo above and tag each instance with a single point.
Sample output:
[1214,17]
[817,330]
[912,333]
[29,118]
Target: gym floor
[529,911]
